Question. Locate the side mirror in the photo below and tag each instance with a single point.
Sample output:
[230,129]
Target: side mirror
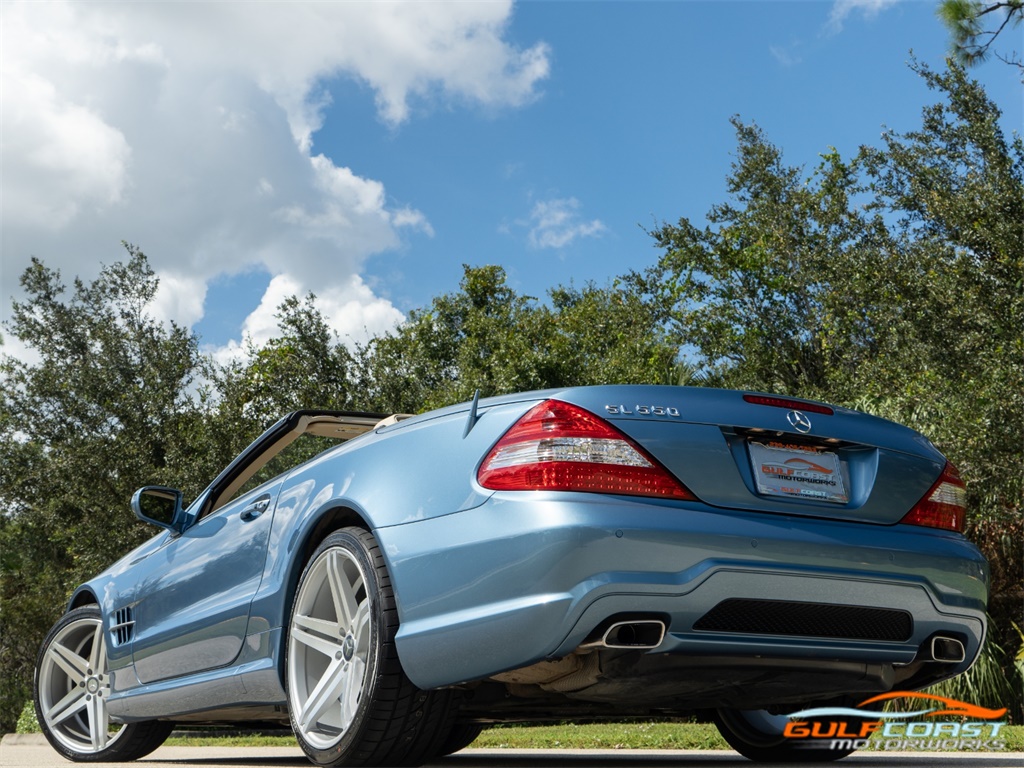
[160,506]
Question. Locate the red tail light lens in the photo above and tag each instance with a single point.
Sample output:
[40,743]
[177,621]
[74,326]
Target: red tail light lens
[556,446]
[785,402]
[945,504]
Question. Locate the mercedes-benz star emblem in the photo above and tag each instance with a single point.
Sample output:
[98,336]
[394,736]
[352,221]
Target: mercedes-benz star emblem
[799,421]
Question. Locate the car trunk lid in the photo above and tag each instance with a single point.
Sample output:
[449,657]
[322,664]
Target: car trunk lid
[771,454]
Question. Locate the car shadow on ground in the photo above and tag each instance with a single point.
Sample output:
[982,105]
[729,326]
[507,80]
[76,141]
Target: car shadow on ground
[721,759]
[599,759]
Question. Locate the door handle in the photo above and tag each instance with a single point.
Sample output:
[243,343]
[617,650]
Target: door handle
[255,509]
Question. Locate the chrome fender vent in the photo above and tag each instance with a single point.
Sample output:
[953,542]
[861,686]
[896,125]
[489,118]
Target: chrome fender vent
[123,629]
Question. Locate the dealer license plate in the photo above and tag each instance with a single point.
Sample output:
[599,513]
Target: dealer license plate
[797,471]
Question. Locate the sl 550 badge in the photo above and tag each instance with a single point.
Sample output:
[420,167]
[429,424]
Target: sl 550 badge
[641,410]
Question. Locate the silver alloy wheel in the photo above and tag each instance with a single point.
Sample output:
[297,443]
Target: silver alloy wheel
[74,685]
[328,643]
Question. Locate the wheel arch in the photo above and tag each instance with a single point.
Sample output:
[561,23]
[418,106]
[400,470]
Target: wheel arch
[334,516]
[82,596]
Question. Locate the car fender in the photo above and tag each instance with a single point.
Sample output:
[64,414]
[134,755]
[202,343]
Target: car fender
[394,476]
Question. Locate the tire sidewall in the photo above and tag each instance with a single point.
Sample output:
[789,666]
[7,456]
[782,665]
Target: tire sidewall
[350,540]
[761,746]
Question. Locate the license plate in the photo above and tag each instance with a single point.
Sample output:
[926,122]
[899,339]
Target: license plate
[797,471]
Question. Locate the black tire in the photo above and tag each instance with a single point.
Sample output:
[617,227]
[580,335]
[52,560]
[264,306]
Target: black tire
[460,737]
[757,735]
[71,687]
[349,700]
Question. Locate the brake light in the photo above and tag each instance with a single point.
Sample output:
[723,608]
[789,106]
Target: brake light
[945,504]
[785,402]
[556,446]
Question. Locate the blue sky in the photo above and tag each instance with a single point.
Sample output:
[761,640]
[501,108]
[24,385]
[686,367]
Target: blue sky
[366,151]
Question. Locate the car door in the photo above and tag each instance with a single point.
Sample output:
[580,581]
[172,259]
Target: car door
[192,603]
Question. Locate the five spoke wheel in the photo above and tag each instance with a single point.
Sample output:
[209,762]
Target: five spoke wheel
[74,686]
[349,699]
[329,641]
[72,689]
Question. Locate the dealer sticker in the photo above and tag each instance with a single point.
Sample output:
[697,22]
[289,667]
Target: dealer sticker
[805,472]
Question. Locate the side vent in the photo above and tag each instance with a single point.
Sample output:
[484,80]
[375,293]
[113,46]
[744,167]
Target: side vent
[123,628]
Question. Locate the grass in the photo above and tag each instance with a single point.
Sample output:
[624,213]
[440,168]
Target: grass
[568,736]
[632,735]
[603,736]
[561,736]
[233,740]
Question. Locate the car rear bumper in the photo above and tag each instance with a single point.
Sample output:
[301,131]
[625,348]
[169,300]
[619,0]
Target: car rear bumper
[527,577]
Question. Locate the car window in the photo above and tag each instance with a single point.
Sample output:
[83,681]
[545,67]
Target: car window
[303,448]
[296,438]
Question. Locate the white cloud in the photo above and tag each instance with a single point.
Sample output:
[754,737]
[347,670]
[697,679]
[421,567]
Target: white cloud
[186,128]
[842,9]
[557,223]
[785,55]
[60,158]
[351,310]
[179,298]
[407,217]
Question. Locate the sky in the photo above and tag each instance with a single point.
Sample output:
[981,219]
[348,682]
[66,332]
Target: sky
[365,151]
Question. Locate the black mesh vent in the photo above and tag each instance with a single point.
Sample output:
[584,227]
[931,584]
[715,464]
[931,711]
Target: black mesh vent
[781,617]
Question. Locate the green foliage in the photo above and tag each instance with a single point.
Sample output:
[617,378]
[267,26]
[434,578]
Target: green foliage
[485,336]
[613,335]
[974,26]
[992,682]
[105,409]
[27,720]
[763,292]
[305,366]
[488,337]
[957,185]
[893,282]
[628,735]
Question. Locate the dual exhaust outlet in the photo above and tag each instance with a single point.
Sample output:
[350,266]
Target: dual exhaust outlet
[638,634]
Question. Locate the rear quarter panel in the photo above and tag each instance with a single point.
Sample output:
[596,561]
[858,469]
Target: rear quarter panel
[416,470]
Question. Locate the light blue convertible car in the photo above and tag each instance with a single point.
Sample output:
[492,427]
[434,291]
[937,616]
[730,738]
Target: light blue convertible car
[579,554]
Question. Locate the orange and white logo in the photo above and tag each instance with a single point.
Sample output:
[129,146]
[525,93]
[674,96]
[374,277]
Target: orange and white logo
[974,727]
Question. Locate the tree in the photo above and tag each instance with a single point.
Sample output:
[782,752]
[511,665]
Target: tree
[487,337]
[305,366]
[484,336]
[974,26]
[763,294]
[892,282]
[108,407]
[612,335]
[957,185]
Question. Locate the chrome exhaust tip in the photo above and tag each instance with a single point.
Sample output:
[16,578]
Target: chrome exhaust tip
[646,633]
[948,650]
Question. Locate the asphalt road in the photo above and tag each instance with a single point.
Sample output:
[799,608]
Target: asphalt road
[32,752]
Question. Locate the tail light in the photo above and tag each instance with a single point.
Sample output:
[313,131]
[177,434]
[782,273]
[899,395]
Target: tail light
[945,504]
[786,402]
[556,446]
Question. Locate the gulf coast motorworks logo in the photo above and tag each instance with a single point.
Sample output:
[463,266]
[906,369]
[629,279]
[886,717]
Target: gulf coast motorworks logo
[945,725]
